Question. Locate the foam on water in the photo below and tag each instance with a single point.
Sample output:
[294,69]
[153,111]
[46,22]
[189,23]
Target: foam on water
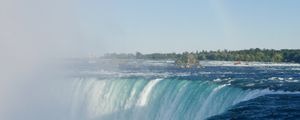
[162,92]
[156,99]
[146,92]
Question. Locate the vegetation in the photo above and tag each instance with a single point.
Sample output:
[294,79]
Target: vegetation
[261,55]
[187,60]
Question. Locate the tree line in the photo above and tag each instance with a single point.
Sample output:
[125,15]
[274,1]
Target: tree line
[260,55]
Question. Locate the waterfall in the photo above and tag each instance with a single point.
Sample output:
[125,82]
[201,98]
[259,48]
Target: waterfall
[153,99]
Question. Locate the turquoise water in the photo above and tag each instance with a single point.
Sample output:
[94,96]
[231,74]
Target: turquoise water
[137,98]
[161,91]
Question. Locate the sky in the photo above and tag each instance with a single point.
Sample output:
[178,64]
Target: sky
[72,28]
[177,25]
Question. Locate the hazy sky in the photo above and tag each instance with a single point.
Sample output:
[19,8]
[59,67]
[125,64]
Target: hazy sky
[78,27]
[177,25]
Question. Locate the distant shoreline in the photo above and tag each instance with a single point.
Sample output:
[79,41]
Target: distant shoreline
[248,55]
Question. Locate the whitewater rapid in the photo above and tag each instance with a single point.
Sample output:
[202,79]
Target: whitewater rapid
[138,98]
